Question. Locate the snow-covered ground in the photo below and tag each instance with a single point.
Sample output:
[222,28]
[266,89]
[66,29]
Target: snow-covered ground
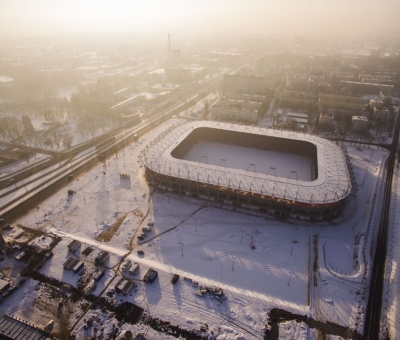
[259,261]
[251,159]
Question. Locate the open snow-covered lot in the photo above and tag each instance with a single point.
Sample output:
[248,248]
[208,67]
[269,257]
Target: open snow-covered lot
[251,159]
[319,270]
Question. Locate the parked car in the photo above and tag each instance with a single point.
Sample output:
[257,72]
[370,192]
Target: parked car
[175,278]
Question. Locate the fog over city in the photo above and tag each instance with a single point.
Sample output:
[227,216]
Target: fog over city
[186,169]
[207,18]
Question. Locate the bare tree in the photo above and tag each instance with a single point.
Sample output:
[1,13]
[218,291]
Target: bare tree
[56,137]
[67,139]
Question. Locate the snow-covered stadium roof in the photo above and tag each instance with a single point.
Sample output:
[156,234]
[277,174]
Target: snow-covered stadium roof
[333,182]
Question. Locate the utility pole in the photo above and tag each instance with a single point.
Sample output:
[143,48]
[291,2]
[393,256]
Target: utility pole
[233,262]
[291,273]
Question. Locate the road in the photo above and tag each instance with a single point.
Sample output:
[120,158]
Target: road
[374,308]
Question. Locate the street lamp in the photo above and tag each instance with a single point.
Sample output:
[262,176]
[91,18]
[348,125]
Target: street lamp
[294,242]
[233,262]
[291,273]
[181,247]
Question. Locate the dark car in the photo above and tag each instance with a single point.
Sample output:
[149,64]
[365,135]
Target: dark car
[175,278]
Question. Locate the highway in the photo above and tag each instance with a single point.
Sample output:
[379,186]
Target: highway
[374,307]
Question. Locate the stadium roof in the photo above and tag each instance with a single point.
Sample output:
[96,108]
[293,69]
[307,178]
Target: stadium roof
[333,182]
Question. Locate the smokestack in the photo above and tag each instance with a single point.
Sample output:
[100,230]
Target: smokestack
[169,45]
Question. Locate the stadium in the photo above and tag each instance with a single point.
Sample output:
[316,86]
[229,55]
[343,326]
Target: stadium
[284,173]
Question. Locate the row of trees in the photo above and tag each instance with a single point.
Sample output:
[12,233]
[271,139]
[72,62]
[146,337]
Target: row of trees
[21,130]
[89,108]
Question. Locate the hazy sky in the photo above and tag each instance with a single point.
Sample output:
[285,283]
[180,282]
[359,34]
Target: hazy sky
[29,18]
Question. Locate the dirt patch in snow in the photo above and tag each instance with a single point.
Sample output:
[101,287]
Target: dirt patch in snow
[107,235]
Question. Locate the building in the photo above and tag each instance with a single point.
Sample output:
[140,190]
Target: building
[235,111]
[321,197]
[303,84]
[150,275]
[327,102]
[381,113]
[368,78]
[124,286]
[359,123]
[374,103]
[338,76]
[98,274]
[286,116]
[326,118]
[4,286]
[78,267]
[70,263]
[385,96]
[102,258]
[127,264]
[243,84]
[13,329]
[74,245]
[358,86]
[135,267]
[295,98]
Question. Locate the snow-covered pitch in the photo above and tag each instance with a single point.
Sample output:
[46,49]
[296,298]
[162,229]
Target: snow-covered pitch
[267,190]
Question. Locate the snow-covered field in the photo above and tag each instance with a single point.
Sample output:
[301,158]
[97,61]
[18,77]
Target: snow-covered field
[259,261]
[250,159]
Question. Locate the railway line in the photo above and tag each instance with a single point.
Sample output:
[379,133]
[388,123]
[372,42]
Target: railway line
[63,166]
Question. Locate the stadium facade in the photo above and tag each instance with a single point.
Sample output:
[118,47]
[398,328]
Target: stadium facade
[320,198]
